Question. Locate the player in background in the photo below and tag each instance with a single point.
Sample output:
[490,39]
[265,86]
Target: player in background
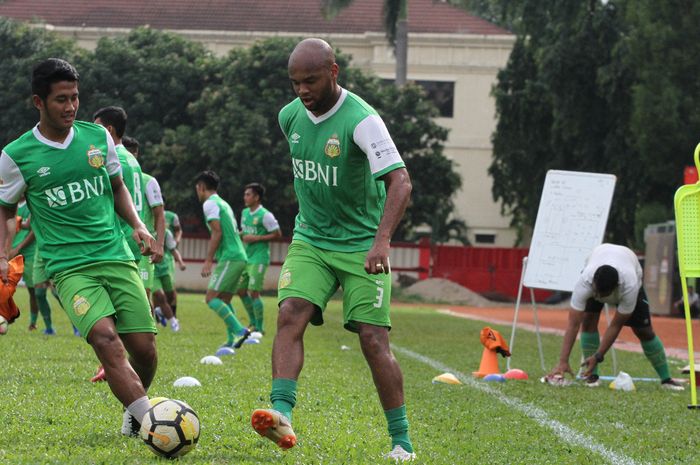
[259,226]
[226,248]
[353,189]
[162,282]
[172,224]
[73,209]
[153,216]
[612,275]
[24,244]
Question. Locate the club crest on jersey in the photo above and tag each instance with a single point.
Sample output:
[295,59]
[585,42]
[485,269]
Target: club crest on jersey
[285,279]
[80,305]
[332,148]
[95,157]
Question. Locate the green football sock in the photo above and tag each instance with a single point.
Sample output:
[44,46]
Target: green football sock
[44,307]
[654,351]
[284,396]
[589,345]
[33,316]
[248,304]
[258,309]
[237,325]
[174,307]
[397,422]
[224,312]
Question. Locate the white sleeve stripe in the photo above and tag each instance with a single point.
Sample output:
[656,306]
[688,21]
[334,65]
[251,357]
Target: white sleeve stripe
[112,163]
[153,193]
[372,136]
[13,184]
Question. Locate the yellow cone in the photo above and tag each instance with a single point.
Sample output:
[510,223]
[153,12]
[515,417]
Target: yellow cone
[446,378]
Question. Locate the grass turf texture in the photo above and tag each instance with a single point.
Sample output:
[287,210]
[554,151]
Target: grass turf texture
[51,413]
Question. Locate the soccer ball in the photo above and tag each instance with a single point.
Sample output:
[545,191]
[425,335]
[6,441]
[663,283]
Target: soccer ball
[170,428]
[4,326]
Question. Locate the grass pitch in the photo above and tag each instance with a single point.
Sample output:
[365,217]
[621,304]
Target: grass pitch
[51,413]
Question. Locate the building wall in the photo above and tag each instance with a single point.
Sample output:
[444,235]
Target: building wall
[470,61]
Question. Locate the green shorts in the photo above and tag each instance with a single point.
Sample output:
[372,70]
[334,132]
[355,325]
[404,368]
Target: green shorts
[28,273]
[164,282]
[315,274]
[40,273]
[146,269]
[253,277]
[226,276]
[105,289]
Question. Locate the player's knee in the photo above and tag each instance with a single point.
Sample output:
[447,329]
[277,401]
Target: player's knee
[106,342]
[372,339]
[294,313]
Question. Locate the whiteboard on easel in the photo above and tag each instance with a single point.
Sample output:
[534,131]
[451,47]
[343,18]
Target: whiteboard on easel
[570,223]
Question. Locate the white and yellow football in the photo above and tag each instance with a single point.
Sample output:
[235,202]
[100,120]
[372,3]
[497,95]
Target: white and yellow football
[170,428]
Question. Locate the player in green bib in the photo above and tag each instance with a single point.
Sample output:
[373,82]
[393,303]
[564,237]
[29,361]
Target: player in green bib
[153,216]
[162,284]
[353,189]
[226,248]
[23,243]
[172,223]
[259,227]
[70,174]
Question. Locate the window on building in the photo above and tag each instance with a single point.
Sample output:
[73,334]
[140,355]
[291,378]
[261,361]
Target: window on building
[485,238]
[441,93]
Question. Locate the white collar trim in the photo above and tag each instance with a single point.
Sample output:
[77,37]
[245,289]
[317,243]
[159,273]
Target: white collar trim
[331,112]
[50,143]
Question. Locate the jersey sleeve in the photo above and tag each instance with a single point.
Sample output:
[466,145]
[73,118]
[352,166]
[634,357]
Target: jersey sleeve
[153,195]
[270,222]
[112,164]
[582,292]
[176,221]
[169,242]
[211,211]
[372,136]
[12,183]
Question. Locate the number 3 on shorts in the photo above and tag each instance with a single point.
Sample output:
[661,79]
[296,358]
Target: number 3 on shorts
[380,297]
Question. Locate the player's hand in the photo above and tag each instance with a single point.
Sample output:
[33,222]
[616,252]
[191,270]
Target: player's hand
[144,239]
[589,365]
[3,269]
[206,269]
[377,260]
[156,253]
[183,267]
[248,238]
[561,369]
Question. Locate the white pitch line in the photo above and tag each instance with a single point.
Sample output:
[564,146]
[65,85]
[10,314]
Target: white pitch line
[566,433]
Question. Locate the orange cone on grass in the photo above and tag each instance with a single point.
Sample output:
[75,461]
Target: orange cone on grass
[494,344]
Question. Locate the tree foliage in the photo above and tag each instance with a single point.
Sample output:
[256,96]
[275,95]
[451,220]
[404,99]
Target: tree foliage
[193,111]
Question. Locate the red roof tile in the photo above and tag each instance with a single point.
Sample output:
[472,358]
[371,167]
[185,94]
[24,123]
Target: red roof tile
[424,16]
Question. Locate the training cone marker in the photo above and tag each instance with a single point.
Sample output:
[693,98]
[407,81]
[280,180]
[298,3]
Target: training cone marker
[211,360]
[251,340]
[344,347]
[186,381]
[446,378]
[515,373]
[494,344]
[495,378]
[256,335]
[225,351]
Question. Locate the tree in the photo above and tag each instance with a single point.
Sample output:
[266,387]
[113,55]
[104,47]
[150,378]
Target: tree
[395,18]
[21,48]
[235,131]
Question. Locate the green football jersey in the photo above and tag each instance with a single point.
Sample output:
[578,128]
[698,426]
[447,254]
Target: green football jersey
[337,160]
[151,197]
[131,173]
[258,223]
[68,190]
[28,250]
[172,221]
[167,264]
[231,246]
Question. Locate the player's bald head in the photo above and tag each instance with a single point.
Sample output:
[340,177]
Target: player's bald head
[311,53]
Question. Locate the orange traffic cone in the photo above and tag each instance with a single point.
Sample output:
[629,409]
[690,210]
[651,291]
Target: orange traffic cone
[493,345]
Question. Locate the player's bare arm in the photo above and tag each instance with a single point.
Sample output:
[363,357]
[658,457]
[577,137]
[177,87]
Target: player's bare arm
[6,214]
[214,242]
[159,221]
[249,238]
[124,207]
[572,328]
[29,238]
[606,342]
[398,194]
